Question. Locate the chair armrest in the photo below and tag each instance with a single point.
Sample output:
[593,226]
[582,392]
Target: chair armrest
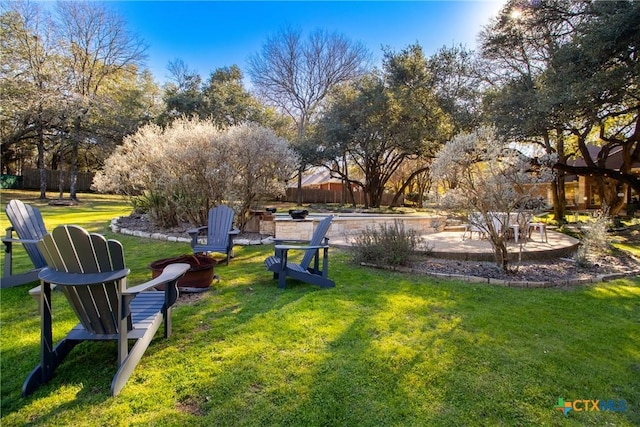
[197,230]
[11,240]
[304,248]
[234,232]
[171,272]
[63,278]
[35,292]
[282,241]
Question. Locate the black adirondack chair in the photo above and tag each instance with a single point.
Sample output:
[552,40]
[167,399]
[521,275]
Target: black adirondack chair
[282,267]
[218,231]
[26,221]
[91,273]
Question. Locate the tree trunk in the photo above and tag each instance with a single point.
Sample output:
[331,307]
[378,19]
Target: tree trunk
[299,191]
[41,170]
[60,171]
[609,190]
[75,144]
[558,195]
[558,186]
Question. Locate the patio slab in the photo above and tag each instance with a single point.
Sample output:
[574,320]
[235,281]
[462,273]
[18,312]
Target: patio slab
[450,245]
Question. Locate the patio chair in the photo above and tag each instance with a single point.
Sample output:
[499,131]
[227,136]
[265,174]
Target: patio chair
[475,224]
[218,231]
[282,267]
[26,221]
[90,271]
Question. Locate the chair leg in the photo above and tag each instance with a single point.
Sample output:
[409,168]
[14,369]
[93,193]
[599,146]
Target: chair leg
[282,280]
[135,354]
[40,374]
[8,257]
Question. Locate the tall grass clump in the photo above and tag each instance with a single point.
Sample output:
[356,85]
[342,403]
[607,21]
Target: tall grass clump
[386,245]
[595,240]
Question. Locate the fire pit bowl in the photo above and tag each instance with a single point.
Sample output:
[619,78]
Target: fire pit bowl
[197,279]
[298,213]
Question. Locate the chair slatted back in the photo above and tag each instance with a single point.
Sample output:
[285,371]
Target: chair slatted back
[220,223]
[71,249]
[317,238]
[27,222]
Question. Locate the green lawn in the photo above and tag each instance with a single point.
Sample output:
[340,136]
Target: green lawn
[382,348]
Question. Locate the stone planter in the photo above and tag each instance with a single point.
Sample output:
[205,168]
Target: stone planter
[197,279]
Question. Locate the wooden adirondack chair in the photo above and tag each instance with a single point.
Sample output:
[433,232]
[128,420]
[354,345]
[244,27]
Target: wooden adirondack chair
[218,231]
[91,273]
[26,222]
[282,268]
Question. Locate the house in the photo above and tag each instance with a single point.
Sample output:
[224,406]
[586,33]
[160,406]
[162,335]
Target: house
[320,180]
[581,192]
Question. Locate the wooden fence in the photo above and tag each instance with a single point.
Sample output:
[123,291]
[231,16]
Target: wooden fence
[330,196]
[31,180]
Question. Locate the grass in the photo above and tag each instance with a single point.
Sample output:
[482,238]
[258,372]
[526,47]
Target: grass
[382,348]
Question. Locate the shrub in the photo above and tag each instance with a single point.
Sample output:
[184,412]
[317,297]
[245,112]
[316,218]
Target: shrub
[387,245]
[177,173]
[595,240]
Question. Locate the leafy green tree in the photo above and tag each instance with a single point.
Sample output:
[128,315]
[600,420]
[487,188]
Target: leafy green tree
[384,119]
[593,85]
[516,49]
[131,99]
[227,102]
[182,96]
[458,87]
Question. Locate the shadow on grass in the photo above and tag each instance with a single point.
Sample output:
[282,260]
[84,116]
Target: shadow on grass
[381,348]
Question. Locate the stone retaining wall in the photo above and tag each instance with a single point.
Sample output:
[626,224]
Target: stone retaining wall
[341,226]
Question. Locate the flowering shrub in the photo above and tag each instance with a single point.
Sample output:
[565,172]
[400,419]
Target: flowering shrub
[180,171]
[261,163]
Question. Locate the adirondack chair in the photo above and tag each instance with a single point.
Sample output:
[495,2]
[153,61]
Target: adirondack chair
[26,222]
[91,273]
[282,268]
[218,232]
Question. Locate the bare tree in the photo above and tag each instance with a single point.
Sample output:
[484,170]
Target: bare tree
[96,45]
[296,74]
[182,75]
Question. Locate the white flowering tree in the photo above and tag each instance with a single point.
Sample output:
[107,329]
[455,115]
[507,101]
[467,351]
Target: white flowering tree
[490,181]
[180,171]
[261,162]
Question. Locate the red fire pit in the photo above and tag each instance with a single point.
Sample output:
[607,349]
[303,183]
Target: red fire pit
[197,279]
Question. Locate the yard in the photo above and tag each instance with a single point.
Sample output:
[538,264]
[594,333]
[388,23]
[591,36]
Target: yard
[382,348]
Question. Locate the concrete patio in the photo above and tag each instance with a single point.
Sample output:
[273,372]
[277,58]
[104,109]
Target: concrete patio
[450,245]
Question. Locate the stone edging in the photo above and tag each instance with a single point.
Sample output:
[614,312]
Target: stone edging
[160,236]
[509,283]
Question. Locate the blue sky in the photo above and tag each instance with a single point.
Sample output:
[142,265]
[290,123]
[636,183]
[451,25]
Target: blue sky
[207,35]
